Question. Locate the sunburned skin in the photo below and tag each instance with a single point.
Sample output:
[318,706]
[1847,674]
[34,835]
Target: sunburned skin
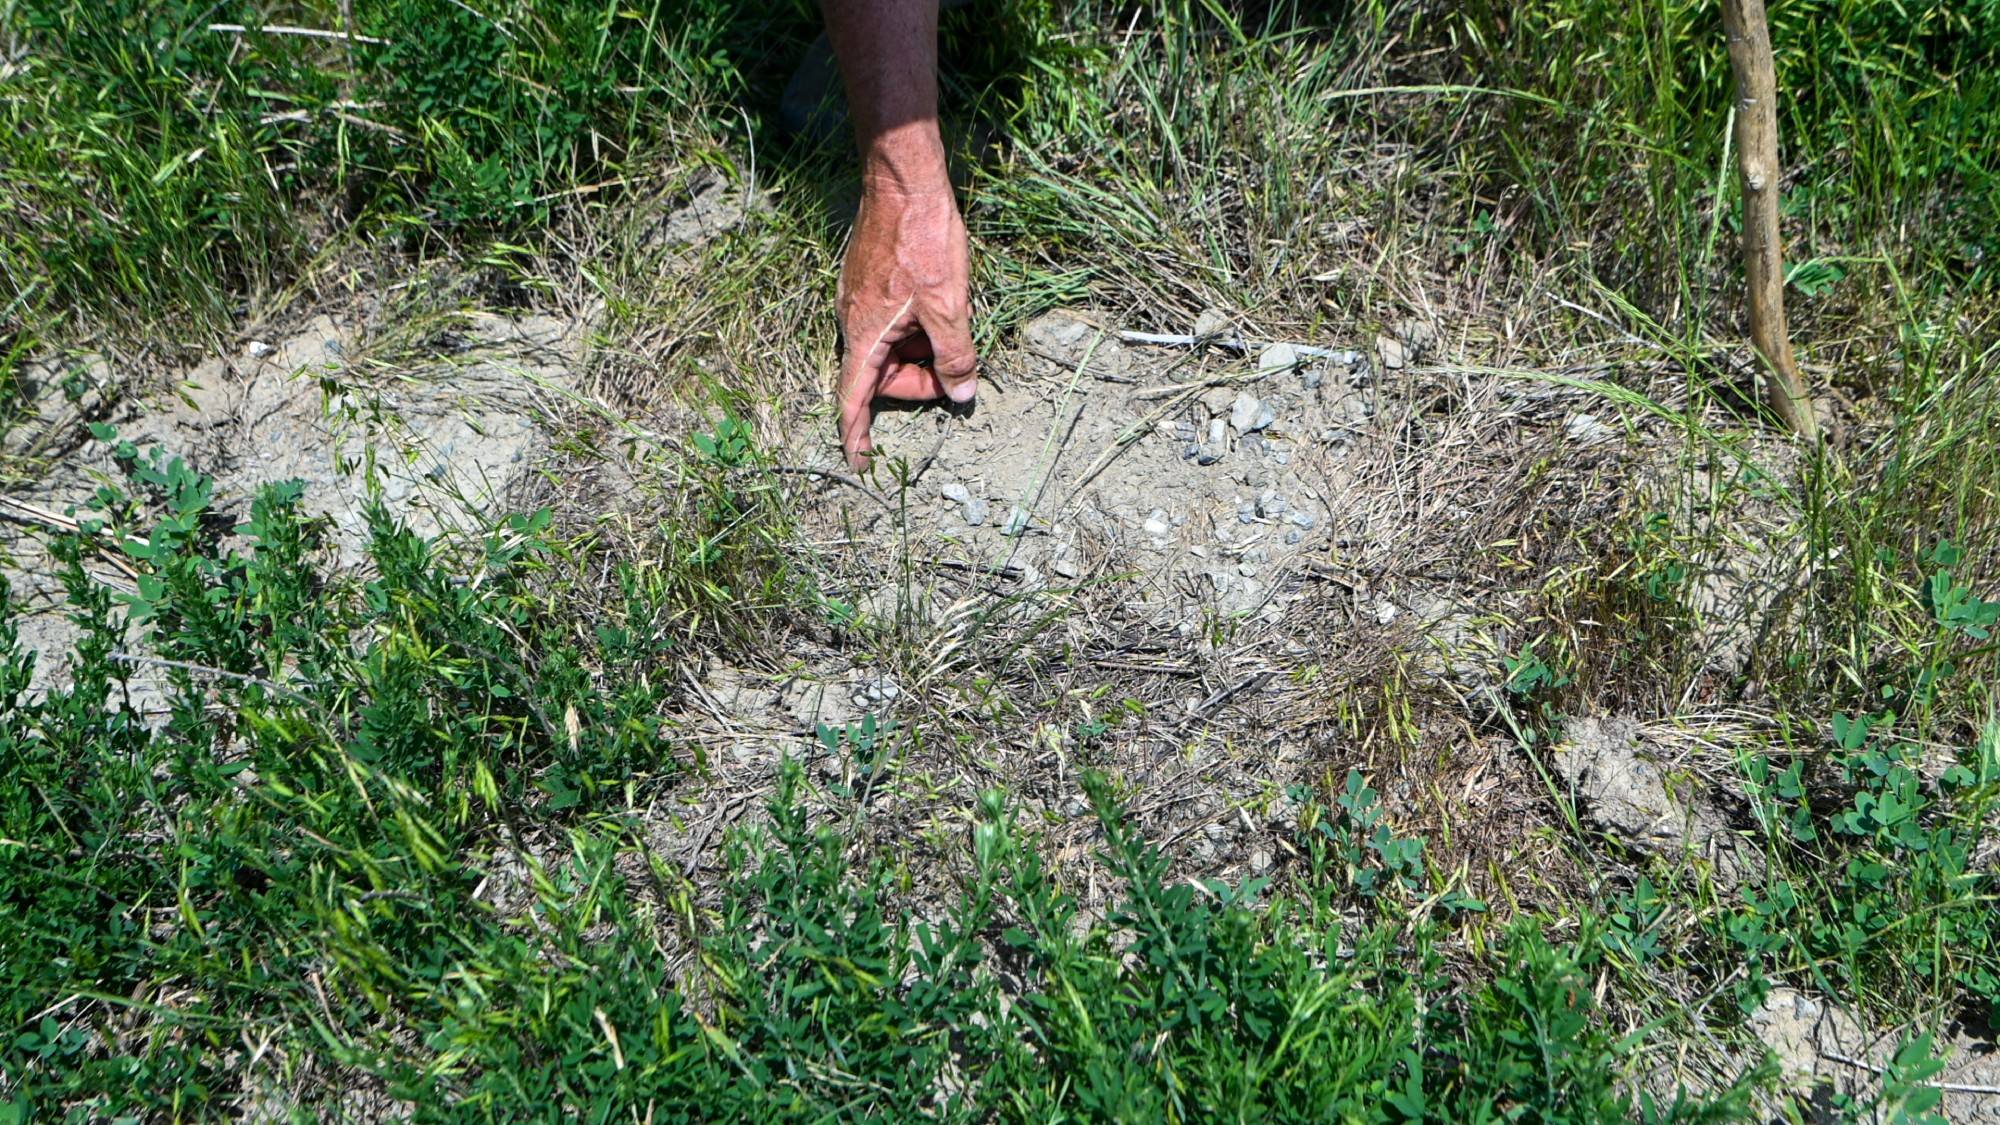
[904,283]
[857,396]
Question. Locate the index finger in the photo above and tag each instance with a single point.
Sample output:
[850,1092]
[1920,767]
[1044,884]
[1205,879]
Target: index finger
[856,394]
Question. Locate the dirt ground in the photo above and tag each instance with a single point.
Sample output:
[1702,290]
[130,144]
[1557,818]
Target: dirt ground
[439,437]
[1217,567]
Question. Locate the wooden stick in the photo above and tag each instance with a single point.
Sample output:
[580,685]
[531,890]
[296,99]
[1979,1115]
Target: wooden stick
[1763,247]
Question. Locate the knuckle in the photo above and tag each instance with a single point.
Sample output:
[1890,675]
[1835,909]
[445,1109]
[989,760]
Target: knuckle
[956,364]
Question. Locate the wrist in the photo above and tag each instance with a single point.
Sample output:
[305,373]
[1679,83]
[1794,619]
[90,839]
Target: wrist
[905,160]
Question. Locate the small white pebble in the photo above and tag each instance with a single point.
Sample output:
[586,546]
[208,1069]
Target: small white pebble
[1587,430]
[1278,357]
[1244,412]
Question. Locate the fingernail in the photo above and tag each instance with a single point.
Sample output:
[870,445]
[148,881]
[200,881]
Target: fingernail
[962,391]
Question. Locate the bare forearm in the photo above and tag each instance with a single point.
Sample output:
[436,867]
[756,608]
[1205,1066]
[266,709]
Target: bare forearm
[888,58]
[904,307]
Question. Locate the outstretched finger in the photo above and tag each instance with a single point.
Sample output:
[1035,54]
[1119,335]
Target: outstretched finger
[861,376]
[857,393]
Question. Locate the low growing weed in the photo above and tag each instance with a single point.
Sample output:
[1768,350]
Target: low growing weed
[1876,890]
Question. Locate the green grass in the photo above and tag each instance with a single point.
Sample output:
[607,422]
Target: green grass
[395,840]
[156,168]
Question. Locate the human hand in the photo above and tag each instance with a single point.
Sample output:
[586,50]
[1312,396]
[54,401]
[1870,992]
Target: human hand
[904,307]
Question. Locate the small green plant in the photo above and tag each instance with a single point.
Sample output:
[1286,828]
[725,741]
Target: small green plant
[730,446]
[1483,229]
[1371,857]
[1532,683]
[1528,673]
[1895,902]
[1633,924]
[1814,276]
[867,744]
[1952,603]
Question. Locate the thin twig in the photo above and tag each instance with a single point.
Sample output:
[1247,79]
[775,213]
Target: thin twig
[202,669]
[1169,389]
[584,189]
[1052,451]
[1344,356]
[1250,683]
[1335,575]
[1947,1087]
[988,570]
[32,515]
[1232,342]
[353,119]
[476,13]
[36,514]
[937,446]
[1117,665]
[306,32]
[852,482]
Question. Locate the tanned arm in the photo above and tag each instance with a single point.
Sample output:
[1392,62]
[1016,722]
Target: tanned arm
[905,313]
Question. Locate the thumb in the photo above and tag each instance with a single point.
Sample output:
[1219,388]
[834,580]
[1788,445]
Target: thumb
[953,359]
